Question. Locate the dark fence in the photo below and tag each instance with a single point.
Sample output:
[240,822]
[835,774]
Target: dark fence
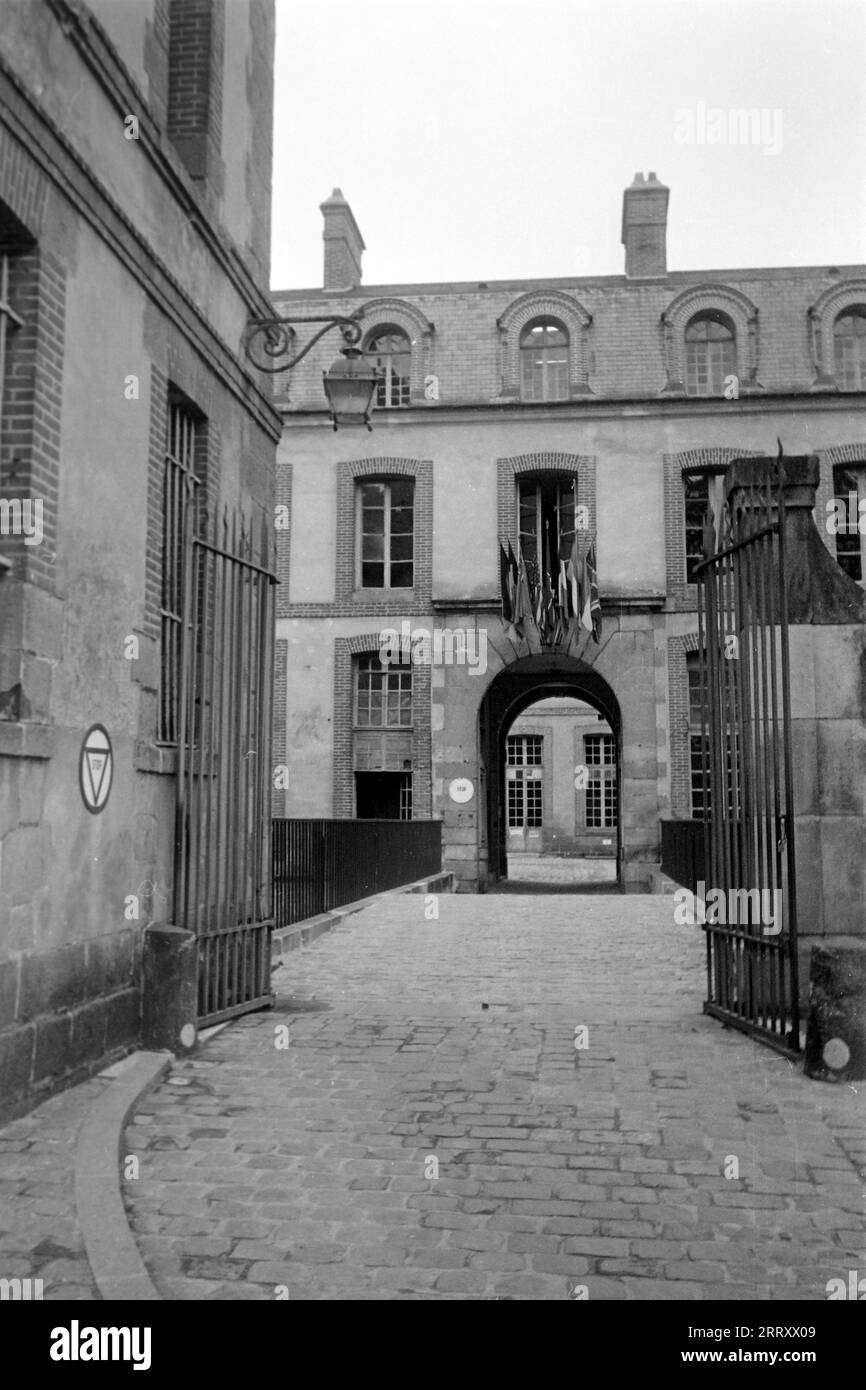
[321,864]
[683,851]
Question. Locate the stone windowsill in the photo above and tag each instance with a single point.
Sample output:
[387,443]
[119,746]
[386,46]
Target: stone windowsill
[23,740]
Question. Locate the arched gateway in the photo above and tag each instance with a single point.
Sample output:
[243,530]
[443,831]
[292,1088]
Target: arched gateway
[518,686]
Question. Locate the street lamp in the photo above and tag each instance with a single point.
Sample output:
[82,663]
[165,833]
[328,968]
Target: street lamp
[349,382]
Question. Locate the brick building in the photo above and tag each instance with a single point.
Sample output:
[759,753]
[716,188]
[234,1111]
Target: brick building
[501,404]
[135,167]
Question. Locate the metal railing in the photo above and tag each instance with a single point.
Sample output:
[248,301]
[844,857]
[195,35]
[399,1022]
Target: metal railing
[683,851]
[322,864]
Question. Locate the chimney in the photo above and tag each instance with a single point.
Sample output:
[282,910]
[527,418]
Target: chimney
[644,227]
[343,244]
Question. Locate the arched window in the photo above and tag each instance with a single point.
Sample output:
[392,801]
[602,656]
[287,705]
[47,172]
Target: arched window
[392,352]
[544,361]
[711,353]
[849,344]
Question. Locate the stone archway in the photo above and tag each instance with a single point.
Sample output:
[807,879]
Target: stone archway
[514,689]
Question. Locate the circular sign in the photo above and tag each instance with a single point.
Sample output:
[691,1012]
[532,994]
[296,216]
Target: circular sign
[95,769]
[836,1054]
[461,789]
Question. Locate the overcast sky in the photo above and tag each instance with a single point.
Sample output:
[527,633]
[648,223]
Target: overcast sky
[492,139]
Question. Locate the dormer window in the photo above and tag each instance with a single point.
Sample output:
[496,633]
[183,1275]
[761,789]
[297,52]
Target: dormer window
[711,353]
[390,350]
[849,348]
[544,361]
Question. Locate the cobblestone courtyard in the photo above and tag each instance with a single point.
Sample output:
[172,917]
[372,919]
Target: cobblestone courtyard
[311,1166]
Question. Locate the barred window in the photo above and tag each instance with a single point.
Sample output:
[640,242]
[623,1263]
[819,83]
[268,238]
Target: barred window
[383,695]
[544,361]
[386,525]
[183,499]
[849,346]
[392,352]
[711,353]
[599,755]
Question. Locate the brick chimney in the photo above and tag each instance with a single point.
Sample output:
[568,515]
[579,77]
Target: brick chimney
[644,227]
[343,244]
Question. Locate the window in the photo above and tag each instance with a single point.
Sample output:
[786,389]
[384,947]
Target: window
[698,742]
[711,354]
[546,509]
[383,795]
[524,750]
[696,736]
[544,361]
[849,346]
[599,755]
[9,321]
[386,520]
[701,489]
[182,489]
[849,488]
[524,776]
[383,695]
[392,352]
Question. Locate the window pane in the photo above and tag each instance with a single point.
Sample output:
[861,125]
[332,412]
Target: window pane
[373,576]
[373,548]
[401,576]
[401,548]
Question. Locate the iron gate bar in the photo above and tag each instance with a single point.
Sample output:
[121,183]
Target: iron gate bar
[746,761]
[223,811]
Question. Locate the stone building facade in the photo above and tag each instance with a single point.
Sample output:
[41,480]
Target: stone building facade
[560,782]
[629,394]
[135,168]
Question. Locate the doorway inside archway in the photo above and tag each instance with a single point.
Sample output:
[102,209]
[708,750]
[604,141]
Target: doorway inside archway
[551,741]
[561,813]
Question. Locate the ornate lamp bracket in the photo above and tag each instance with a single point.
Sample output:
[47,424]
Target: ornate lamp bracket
[267,340]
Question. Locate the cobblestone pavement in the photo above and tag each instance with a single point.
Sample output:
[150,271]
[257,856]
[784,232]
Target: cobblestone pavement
[431,1131]
[39,1233]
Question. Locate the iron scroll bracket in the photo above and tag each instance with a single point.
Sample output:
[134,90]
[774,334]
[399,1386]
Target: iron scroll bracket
[268,339]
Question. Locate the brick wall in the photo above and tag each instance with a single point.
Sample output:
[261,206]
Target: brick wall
[626,338]
[195,80]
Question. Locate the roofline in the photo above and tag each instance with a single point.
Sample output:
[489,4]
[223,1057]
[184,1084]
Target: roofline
[672,277]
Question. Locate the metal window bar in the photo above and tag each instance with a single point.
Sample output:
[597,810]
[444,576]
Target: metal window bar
[181,498]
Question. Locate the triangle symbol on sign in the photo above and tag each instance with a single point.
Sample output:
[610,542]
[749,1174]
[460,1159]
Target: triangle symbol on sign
[96,765]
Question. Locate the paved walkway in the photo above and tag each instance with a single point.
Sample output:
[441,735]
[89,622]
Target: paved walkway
[431,1131]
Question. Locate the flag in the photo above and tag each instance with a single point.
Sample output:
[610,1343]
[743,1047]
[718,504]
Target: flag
[523,599]
[548,610]
[709,533]
[505,586]
[584,612]
[592,587]
[573,570]
[512,576]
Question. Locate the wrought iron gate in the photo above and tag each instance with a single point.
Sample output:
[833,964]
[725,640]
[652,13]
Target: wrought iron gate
[222,833]
[746,757]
